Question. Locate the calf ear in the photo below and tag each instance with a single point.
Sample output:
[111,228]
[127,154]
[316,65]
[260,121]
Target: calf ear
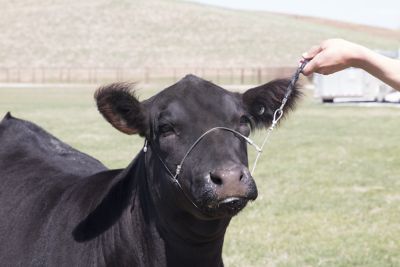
[262,101]
[120,107]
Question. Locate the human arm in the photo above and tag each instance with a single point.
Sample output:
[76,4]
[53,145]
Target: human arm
[334,55]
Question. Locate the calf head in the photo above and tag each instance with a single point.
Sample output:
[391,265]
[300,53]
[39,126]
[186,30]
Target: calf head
[215,175]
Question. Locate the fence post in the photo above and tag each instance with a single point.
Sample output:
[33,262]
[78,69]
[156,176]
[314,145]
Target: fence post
[146,75]
[60,75]
[69,75]
[174,75]
[8,75]
[33,78]
[43,75]
[18,75]
[89,75]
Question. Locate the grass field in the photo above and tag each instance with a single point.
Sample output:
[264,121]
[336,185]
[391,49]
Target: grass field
[329,181]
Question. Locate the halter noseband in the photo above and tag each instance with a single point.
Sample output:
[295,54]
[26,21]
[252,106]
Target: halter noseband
[276,117]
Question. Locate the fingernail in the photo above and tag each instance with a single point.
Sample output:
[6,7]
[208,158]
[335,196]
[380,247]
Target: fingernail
[305,55]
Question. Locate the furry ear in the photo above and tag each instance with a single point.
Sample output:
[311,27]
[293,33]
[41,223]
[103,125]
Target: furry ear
[119,106]
[262,101]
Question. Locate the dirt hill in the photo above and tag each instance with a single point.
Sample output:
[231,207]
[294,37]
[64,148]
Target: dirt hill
[161,33]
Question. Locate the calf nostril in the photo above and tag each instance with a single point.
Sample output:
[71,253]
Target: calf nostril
[215,179]
[241,176]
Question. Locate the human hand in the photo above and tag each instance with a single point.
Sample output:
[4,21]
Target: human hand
[331,56]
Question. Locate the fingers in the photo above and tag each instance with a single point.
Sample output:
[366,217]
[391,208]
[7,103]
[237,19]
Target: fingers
[310,55]
[330,56]
[310,67]
[312,52]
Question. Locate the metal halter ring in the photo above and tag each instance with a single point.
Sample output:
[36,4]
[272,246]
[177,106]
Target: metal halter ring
[278,114]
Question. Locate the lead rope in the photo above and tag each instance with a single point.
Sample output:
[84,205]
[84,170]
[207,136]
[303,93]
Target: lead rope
[279,112]
[277,116]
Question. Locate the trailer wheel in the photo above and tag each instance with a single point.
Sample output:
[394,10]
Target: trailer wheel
[327,100]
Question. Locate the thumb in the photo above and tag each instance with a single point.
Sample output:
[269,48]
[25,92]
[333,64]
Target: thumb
[310,67]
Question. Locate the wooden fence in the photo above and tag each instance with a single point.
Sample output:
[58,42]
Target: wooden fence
[144,75]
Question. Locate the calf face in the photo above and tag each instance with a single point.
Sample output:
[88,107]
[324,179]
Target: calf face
[215,175]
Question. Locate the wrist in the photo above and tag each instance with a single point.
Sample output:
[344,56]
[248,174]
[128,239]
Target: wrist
[359,57]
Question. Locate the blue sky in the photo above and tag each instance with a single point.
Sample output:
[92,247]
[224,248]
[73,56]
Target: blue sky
[383,13]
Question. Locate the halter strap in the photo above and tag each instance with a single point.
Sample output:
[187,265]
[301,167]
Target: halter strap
[278,114]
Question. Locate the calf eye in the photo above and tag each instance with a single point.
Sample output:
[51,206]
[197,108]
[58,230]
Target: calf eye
[166,129]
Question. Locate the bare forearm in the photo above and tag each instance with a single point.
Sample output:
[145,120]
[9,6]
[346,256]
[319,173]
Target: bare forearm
[383,68]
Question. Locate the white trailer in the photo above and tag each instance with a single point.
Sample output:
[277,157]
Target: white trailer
[352,84]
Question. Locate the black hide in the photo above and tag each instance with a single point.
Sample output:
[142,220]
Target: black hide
[60,207]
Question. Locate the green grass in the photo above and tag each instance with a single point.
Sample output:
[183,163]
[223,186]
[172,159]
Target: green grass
[329,180]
